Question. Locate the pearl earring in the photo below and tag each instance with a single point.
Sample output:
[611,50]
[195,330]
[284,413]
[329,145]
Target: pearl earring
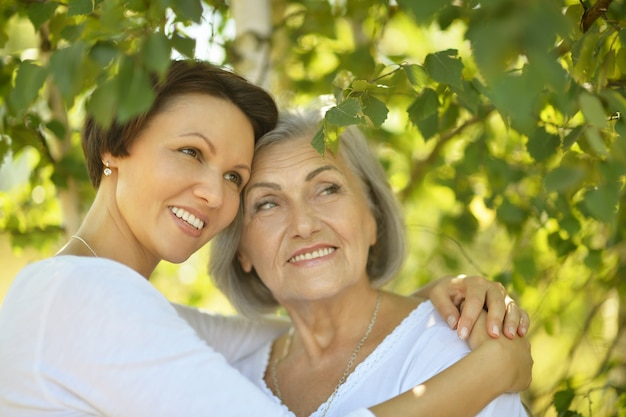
[107,170]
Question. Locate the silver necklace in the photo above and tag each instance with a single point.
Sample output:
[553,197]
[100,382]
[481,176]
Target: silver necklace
[80,239]
[346,372]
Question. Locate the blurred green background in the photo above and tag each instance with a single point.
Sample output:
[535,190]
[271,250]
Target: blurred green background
[499,122]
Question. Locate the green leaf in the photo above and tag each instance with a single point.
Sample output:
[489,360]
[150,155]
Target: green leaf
[318,142]
[39,13]
[72,33]
[601,202]
[375,109]
[157,53]
[468,97]
[79,7]
[183,44]
[563,399]
[509,213]
[66,67]
[345,114]
[29,80]
[444,67]
[593,111]
[188,9]
[103,102]
[424,106]
[103,53]
[563,178]
[422,11]
[135,89]
[542,145]
[417,76]
[429,126]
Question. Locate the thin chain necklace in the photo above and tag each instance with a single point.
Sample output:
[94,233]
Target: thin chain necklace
[346,372]
[80,239]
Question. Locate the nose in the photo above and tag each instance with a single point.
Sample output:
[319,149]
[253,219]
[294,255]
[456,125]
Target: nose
[211,189]
[305,221]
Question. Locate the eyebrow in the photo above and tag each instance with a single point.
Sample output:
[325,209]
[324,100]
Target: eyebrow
[204,138]
[276,187]
[318,171]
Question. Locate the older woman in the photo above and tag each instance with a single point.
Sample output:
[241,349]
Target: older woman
[333,234]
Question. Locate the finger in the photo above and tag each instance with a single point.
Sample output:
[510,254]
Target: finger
[496,308]
[512,320]
[524,323]
[474,303]
[444,305]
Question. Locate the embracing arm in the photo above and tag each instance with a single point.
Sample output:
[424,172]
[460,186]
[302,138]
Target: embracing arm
[494,367]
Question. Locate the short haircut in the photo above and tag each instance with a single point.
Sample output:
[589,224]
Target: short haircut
[183,77]
[245,290]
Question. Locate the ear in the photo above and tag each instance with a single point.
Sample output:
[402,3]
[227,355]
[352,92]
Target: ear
[107,157]
[245,263]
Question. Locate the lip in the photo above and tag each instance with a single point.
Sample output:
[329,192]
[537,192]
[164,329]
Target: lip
[310,250]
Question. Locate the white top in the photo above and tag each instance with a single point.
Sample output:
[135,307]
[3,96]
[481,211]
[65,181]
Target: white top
[419,348]
[91,337]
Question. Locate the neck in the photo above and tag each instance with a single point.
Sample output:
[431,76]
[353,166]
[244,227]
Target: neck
[105,233]
[331,325]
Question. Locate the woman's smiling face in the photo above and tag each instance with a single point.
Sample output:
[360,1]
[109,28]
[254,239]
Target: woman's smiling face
[307,223]
[181,183]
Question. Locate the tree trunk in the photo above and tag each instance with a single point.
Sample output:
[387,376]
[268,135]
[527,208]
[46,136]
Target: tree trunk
[252,47]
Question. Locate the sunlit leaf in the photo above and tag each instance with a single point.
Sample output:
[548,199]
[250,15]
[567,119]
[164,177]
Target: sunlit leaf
[374,109]
[417,76]
[445,67]
[345,114]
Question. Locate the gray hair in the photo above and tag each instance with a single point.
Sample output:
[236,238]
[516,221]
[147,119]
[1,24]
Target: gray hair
[245,290]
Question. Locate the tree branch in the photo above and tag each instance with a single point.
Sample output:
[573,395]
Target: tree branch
[419,168]
[592,13]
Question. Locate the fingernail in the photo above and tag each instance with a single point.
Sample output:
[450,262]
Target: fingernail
[523,331]
[451,321]
[464,333]
[512,331]
[495,330]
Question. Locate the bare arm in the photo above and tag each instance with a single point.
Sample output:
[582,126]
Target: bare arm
[468,386]
[503,314]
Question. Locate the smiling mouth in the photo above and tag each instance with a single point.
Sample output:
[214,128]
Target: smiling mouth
[189,218]
[312,255]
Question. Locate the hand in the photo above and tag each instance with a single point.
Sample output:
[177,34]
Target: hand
[516,359]
[477,293]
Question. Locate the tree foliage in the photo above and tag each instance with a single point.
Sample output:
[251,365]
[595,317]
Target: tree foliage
[500,123]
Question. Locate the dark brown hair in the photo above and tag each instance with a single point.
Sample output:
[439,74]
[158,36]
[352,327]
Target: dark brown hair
[183,77]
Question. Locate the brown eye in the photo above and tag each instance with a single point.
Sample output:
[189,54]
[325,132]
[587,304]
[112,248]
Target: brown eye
[234,178]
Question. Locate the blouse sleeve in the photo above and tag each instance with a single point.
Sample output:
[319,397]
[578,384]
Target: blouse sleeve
[233,336]
[113,346]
